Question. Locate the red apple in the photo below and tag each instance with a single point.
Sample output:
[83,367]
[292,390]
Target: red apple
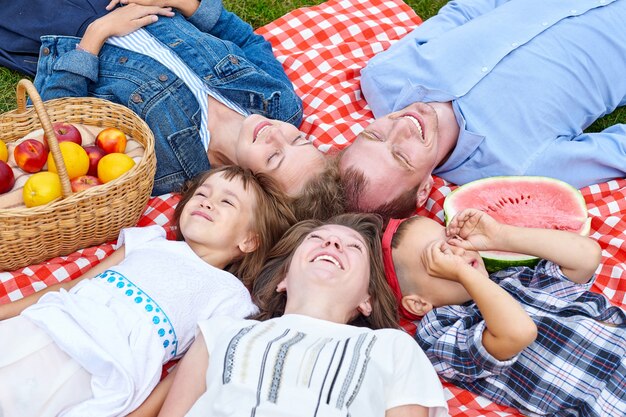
[84,182]
[30,155]
[7,179]
[66,132]
[111,140]
[95,154]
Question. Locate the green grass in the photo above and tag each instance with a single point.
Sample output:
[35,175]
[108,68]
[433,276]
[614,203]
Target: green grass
[261,12]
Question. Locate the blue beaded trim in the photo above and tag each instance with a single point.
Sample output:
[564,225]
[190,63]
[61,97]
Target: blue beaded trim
[159,319]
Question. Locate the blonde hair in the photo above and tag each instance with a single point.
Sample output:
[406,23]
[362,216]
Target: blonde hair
[322,197]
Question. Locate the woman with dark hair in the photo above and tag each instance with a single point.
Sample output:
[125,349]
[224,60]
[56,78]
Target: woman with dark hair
[325,342]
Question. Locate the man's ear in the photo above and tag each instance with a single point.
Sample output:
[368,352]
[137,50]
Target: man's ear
[416,305]
[424,190]
[250,244]
[365,307]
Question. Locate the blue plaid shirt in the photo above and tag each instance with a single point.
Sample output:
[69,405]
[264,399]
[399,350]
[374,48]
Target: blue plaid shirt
[575,367]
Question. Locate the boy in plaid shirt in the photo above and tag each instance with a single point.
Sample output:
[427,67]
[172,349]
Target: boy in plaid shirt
[534,339]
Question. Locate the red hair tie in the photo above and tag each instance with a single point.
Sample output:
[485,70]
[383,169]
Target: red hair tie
[390,271]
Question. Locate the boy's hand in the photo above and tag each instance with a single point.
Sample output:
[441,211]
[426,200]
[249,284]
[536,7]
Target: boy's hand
[186,7]
[474,230]
[440,261]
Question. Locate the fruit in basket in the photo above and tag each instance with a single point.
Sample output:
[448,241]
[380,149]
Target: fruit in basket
[95,154]
[84,182]
[41,188]
[114,165]
[4,152]
[111,140]
[7,179]
[75,158]
[66,132]
[30,155]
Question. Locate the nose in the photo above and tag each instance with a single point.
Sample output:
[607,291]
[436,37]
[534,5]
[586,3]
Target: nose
[206,203]
[333,240]
[275,137]
[400,131]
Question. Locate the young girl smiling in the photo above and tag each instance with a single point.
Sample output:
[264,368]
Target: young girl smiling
[97,346]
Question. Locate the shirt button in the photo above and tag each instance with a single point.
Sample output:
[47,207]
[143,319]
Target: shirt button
[573,11]
[136,98]
[233,60]
[514,44]
[484,69]
[602,1]
[544,24]
[45,51]
[163,77]
[123,60]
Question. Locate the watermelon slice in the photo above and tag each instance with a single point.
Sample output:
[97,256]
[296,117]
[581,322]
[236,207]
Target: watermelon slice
[521,201]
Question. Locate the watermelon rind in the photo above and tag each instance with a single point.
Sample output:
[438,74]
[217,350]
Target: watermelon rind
[497,260]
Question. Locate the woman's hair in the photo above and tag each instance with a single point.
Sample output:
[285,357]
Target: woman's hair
[271,218]
[321,197]
[272,303]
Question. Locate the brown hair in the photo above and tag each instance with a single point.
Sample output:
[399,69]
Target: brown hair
[355,184]
[322,197]
[272,216]
[401,270]
[272,303]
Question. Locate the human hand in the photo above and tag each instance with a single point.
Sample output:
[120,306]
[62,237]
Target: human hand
[186,7]
[473,230]
[120,22]
[443,261]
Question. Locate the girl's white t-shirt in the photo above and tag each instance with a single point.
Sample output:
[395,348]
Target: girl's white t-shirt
[300,366]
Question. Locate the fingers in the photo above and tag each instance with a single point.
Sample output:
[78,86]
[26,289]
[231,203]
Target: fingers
[112,4]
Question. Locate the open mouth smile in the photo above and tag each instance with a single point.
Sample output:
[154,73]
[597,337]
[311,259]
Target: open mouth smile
[261,127]
[417,122]
[328,258]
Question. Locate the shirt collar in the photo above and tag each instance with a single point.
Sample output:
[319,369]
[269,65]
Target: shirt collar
[466,145]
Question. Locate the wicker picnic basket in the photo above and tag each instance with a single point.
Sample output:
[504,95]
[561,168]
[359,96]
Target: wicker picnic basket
[90,217]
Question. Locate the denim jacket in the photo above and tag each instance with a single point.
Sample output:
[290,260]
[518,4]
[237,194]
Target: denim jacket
[216,44]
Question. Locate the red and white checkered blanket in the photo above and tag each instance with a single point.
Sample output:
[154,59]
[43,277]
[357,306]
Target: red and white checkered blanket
[323,49]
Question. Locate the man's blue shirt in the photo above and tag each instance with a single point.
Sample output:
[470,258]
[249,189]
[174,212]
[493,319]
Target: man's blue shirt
[526,77]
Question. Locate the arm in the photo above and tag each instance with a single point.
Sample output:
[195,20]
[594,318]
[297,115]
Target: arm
[190,380]
[508,329]
[120,22]
[151,406]
[16,307]
[71,72]
[185,7]
[407,411]
[450,16]
[578,256]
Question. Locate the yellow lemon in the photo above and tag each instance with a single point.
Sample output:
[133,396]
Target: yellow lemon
[41,188]
[4,153]
[75,158]
[113,165]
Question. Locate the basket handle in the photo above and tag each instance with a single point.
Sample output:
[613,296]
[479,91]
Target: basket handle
[26,86]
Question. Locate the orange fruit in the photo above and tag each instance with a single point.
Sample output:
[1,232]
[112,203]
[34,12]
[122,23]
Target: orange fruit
[41,188]
[75,158]
[113,165]
[4,152]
